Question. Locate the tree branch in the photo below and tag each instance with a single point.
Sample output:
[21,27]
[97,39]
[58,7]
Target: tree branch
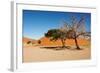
[84,34]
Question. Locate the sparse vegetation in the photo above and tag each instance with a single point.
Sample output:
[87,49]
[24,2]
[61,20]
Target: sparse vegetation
[39,41]
[69,31]
[28,42]
[55,34]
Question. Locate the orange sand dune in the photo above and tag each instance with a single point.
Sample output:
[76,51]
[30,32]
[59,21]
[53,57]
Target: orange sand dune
[47,42]
[25,40]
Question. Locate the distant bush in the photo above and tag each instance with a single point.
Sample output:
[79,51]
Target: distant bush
[39,41]
[29,42]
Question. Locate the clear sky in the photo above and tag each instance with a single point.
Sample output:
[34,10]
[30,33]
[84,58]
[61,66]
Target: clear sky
[36,23]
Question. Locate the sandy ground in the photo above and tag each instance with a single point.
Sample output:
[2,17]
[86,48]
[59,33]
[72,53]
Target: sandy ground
[37,54]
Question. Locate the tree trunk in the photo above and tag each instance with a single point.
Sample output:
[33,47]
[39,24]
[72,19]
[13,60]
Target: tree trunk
[76,42]
[63,43]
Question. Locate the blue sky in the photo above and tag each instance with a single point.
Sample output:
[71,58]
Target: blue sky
[36,23]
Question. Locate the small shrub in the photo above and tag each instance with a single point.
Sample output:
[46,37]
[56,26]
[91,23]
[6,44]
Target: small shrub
[39,42]
[28,42]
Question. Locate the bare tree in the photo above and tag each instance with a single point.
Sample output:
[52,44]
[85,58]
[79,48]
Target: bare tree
[76,29]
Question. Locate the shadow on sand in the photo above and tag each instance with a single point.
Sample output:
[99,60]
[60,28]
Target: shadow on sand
[60,48]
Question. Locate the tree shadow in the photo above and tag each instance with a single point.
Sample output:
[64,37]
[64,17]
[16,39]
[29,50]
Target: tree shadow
[60,48]
[74,48]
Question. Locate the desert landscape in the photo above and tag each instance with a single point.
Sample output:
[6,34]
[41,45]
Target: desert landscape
[56,36]
[37,52]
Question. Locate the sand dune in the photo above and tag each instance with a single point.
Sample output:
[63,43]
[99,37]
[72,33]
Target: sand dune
[47,42]
[28,41]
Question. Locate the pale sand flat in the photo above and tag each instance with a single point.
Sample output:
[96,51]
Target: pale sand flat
[37,54]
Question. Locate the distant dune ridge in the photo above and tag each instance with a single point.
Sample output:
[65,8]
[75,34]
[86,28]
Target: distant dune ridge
[47,42]
[28,41]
